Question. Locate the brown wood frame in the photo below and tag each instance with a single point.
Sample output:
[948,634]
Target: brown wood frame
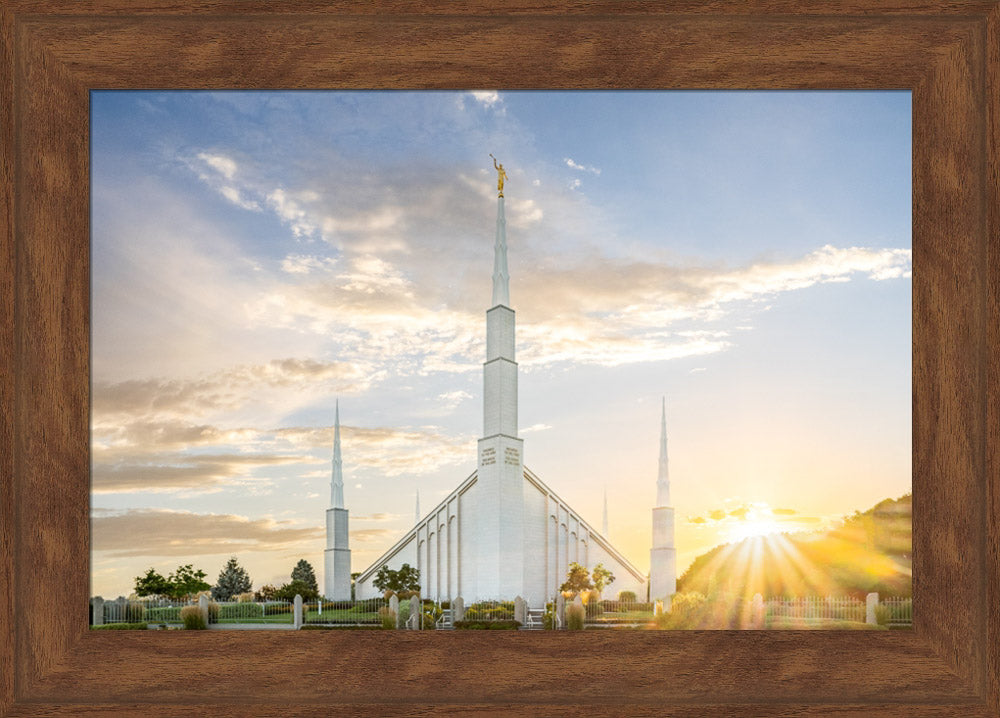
[53,52]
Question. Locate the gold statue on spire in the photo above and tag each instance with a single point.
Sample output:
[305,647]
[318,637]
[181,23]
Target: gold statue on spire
[501,175]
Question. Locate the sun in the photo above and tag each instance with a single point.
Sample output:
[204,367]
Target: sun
[756,520]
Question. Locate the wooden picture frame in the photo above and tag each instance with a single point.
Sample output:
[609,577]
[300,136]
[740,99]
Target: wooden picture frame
[54,52]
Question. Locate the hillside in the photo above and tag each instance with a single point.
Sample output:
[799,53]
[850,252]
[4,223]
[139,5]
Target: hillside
[870,551]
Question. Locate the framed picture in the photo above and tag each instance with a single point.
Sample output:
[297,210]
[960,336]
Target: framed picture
[948,663]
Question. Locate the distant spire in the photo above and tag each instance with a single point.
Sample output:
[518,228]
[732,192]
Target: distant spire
[337,484]
[604,527]
[663,477]
[416,517]
[501,277]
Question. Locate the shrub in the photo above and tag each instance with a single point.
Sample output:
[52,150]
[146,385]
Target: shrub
[131,612]
[192,618]
[387,617]
[428,621]
[120,627]
[549,619]
[163,614]
[247,597]
[574,617]
[239,610]
[213,612]
[882,614]
[484,625]
[403,595]
[626,596]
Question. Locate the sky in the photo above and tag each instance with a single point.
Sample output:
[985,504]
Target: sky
[257,256]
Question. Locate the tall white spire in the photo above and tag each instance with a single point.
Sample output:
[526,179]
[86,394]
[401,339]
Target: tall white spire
[499,532]
[663,554]
[337,482]
[337,556]
[663,477]
[604,523]
[501,277]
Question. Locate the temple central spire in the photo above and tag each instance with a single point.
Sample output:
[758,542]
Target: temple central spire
[501,277]
[337,481]
[663,477]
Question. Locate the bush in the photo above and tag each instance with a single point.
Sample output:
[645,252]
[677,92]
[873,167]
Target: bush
[574,617]
[213,612]
[276,609]
[164,614]
[594,609]
[549,619]
[626,596]
[247,597]
[192,618]
[486,625]
[882,614]
[239,610]
[120,627]
[387,617]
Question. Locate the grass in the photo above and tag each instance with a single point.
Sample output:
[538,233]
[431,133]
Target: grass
[120,627]
[782,623]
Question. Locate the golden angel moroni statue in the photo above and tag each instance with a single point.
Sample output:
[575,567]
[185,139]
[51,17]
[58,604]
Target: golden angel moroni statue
[501,175]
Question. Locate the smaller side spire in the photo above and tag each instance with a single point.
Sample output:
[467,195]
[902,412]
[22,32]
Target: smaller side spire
[337,482]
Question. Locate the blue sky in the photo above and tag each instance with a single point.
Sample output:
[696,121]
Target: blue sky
[257,255]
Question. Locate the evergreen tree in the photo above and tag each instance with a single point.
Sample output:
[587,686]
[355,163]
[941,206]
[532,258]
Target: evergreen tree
[233,580]
[303,572]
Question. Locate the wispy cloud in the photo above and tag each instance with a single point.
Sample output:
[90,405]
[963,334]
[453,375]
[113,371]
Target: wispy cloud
[165,533]
[487,98]
[580,167]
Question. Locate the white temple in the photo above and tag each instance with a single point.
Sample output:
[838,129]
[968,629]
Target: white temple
[502,532]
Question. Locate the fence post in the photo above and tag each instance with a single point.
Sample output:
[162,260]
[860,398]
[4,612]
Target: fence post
[871,601]
[98,610]
[417,608]
[394,607]
[297,612]
[519,610]
[457,610]
[203,607]
[560,610]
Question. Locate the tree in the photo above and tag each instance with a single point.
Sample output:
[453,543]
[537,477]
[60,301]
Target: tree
[289,590]
[152,584]
[601,577]
[233,580]
[406,578]
[267,592]
[303,572]
[185,581]
[577,579]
